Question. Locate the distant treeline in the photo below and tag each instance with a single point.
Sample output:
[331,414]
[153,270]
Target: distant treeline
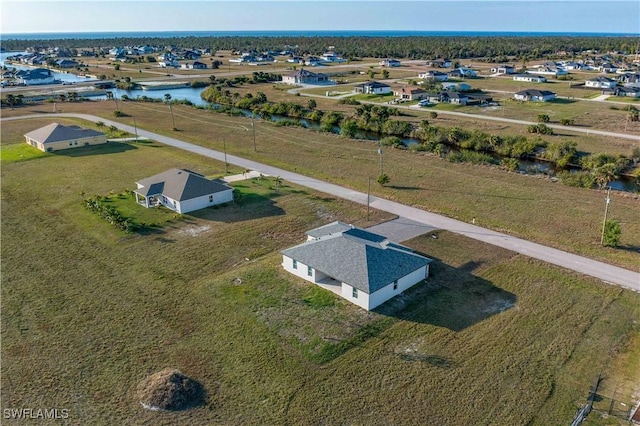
[461,47]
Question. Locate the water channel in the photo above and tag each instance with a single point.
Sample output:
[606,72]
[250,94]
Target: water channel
[192,95]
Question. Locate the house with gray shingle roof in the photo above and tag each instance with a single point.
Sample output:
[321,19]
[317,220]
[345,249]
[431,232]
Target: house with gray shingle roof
[362,267]
[534,95]
[372,88]
[56,137]
[182,190]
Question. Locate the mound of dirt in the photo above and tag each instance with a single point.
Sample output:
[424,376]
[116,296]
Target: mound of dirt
[170,390]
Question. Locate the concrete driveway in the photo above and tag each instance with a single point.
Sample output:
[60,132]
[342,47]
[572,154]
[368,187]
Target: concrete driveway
[401,229]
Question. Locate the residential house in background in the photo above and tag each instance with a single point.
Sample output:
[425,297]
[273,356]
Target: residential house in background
[66,63]
[362,267]
[56,137]
[372,88]
[434,75]
[305,77]
[534,95]
[462,72]
[531,78]
[196,65]
[503,69]
[601,82]
[439,63]
[182,190]
[410,93]
[460,87]
[34,77]
[389,63]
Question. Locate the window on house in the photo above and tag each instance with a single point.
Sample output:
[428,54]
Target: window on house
[295,264]
[395,285]
[309,271]
[354,293]
[211,198]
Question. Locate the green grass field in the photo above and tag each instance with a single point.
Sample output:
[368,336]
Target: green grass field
[88,311]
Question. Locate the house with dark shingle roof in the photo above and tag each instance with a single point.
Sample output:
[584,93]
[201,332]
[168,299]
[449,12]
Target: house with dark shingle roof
[56,137]
[182,191]
[601,82]
[534,95]
[362,267]
[372,88]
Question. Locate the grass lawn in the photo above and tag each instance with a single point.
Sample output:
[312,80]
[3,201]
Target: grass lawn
[490,338]
[499,200]
[19,152]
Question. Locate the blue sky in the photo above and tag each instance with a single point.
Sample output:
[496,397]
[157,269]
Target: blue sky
[27,16]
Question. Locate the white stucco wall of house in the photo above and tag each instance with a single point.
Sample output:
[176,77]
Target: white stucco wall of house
[388,292]
[361,300]
[198,203]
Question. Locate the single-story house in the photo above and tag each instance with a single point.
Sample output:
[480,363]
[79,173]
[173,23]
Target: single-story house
[410,93]
[503,69]
[434,75]
[462,87]
[56,137]
[332,57]
[389,63]
[629,91]
[182,191]
[305,77]
[362,267]
[629,78]
[535,95]
[531,78]
[196,65]
[601,82]
[373,88]
[462,72]
[454,98]
[439,63]
[554,71]
[66,63]
[35,76]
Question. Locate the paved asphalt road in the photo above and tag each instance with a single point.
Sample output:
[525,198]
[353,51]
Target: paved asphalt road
[607,273]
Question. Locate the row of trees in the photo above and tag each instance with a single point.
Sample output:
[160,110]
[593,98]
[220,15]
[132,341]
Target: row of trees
[495,48]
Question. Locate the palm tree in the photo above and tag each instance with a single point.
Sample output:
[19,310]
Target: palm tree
[99,125]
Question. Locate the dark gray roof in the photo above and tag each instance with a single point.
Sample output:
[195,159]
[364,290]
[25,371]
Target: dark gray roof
[535,92]
[56,132]
[362,259]
[373,84]
[180,185]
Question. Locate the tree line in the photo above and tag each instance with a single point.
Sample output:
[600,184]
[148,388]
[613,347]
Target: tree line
[494,48]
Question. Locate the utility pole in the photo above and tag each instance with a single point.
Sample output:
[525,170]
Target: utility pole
[226,165]
[606,210]
[253,128]
[135,127]
[380,153]
[368,197]
[172,119]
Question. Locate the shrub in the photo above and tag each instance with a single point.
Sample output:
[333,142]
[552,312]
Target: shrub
[578,178]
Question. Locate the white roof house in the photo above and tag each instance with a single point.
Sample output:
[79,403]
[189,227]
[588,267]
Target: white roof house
[182,191]
[362,267]
[305,77]
[531,78]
